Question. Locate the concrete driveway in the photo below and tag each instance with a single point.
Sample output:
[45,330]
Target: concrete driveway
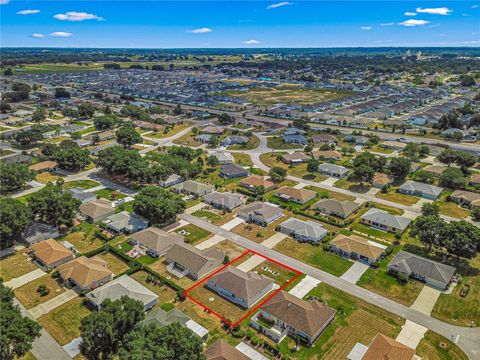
[232,223]
[25,279]
[355,272]
[274,240]
[411,334]
[194,208]
[330,181]
[426,300]
[214,240]
[304,286]
[73,347]
[51,304]
[251,263]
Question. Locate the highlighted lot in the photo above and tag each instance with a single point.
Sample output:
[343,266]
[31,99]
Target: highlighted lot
[229,312]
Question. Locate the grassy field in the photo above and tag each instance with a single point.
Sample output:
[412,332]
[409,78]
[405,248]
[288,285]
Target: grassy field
[354,186]
[436,347]
[176,129]
[47,177]
[314,255]
[83,184]
[165,294]
[288,94]
[323,193]
[256,232]
[15,265]
[300,170]
[110,194]
[83,238]
[195,234]
[242,159]
[230,249]
[114,263]
[450,208]
[253,143]
[63,322]
[277,143]
[396,197]
[357,321]
[187,140]
[28,296]
[207,215]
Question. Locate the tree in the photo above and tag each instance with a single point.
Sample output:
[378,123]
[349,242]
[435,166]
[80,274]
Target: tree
[52,206]
[158,205]
[135,112]
[462,239]
[447,156]
[453,178]
[103,332]
[14,176]
[116,160]
[429,209]
[424,176]
[225,119]
[103,123]
[366,164]
[62,93]
[26,137]
[212,161]
[86,110]
[18,331]
[8,72]
[152,342]
[476,213]
[4,107]
[449,120]
[312,165]
[127,136]
[400,167]
[70,156]
[467,80]
[178,110]
[213,142]
[277,174]
[39,114]
[429,230]
[465,160]
[15,216]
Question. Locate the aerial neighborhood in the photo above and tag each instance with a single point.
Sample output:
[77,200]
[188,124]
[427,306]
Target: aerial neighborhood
[250,205]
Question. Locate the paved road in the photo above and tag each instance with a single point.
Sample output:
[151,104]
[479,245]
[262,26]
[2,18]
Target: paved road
[466,338]
[45,347]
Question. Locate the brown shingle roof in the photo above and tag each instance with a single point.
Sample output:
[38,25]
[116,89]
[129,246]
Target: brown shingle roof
[246,285]
[475,179]
[295,156]
[327,154]
[50,251]
[385,348]
[84,270]
[302,194]
[257,180]
[44,165]
[221,350]
[383,179]
[466,195]
[306,316]
[97,208]
[357,244]
[435,169]
[195,259]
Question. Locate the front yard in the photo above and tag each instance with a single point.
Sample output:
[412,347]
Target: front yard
[300,170]
[28,295]
[256,232]
[394,196]
[15,265]
[450,208]
[193,234]
[63,322]
[109,194]
[253,143]
[83,184]
[277,143]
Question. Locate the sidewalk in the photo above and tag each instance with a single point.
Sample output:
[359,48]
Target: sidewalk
[25,279]
[51,304]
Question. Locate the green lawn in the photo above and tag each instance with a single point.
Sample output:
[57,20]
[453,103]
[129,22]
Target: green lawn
[83,184]
[83,237]
[315,256]
[278,144]
[242,159]
[327,194]
[355,186]
[194,234]
[110,194]
[450,208]
[396,197]
[208,215]
[253,143]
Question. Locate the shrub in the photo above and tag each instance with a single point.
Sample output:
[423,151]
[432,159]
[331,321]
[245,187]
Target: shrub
[43,290]
[402,278]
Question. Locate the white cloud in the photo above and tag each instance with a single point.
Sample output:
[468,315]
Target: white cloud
[202,30]
[387,24]
[28,12]
[471,42]
[409,13]
[277,5]
[464,14]
[475,6]
[251,42]
[60,34]
[4,2]
[37,35]
[77,16]
[413,22]
[435,11]
[366,28]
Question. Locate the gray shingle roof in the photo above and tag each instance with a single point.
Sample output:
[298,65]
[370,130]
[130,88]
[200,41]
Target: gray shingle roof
[416,186]
[384,218]
[305,228]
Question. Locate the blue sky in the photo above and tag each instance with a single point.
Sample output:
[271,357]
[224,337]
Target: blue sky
[233,24]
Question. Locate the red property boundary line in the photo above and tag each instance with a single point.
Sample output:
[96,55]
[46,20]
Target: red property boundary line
[297,274]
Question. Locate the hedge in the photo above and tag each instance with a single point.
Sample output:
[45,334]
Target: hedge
[325,219]
[164,280]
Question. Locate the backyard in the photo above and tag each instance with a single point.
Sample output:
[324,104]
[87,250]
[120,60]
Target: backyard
[114,263]
[300,170]
[83,237]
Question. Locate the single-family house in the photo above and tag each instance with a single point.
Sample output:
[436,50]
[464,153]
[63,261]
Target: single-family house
[163,318]
[82,195]
[385,221]
[239,287]
[356,247]
[327,155]
[37,231]
[234,140]
[324,138]
[285,314]
[124,222]
[186,260]
[383,347]
[394,145]
[333,170]
[436,170]
[299,196]
[192,187]
[431,272]
[50,253]
[155,241]
[85,273]
[171,180]
[301,230]
[44,166]
[254,181]
[416,188]
[380,180]
[475,179]
[221,350]
[97,210]
[463,197]
[295,158]
[203,138]
[231,171]
[222,157]
[260,213]
[334,207]
[465,134]
[295,139]
[212,130]
[102,136]
[122,286]
[224,200]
